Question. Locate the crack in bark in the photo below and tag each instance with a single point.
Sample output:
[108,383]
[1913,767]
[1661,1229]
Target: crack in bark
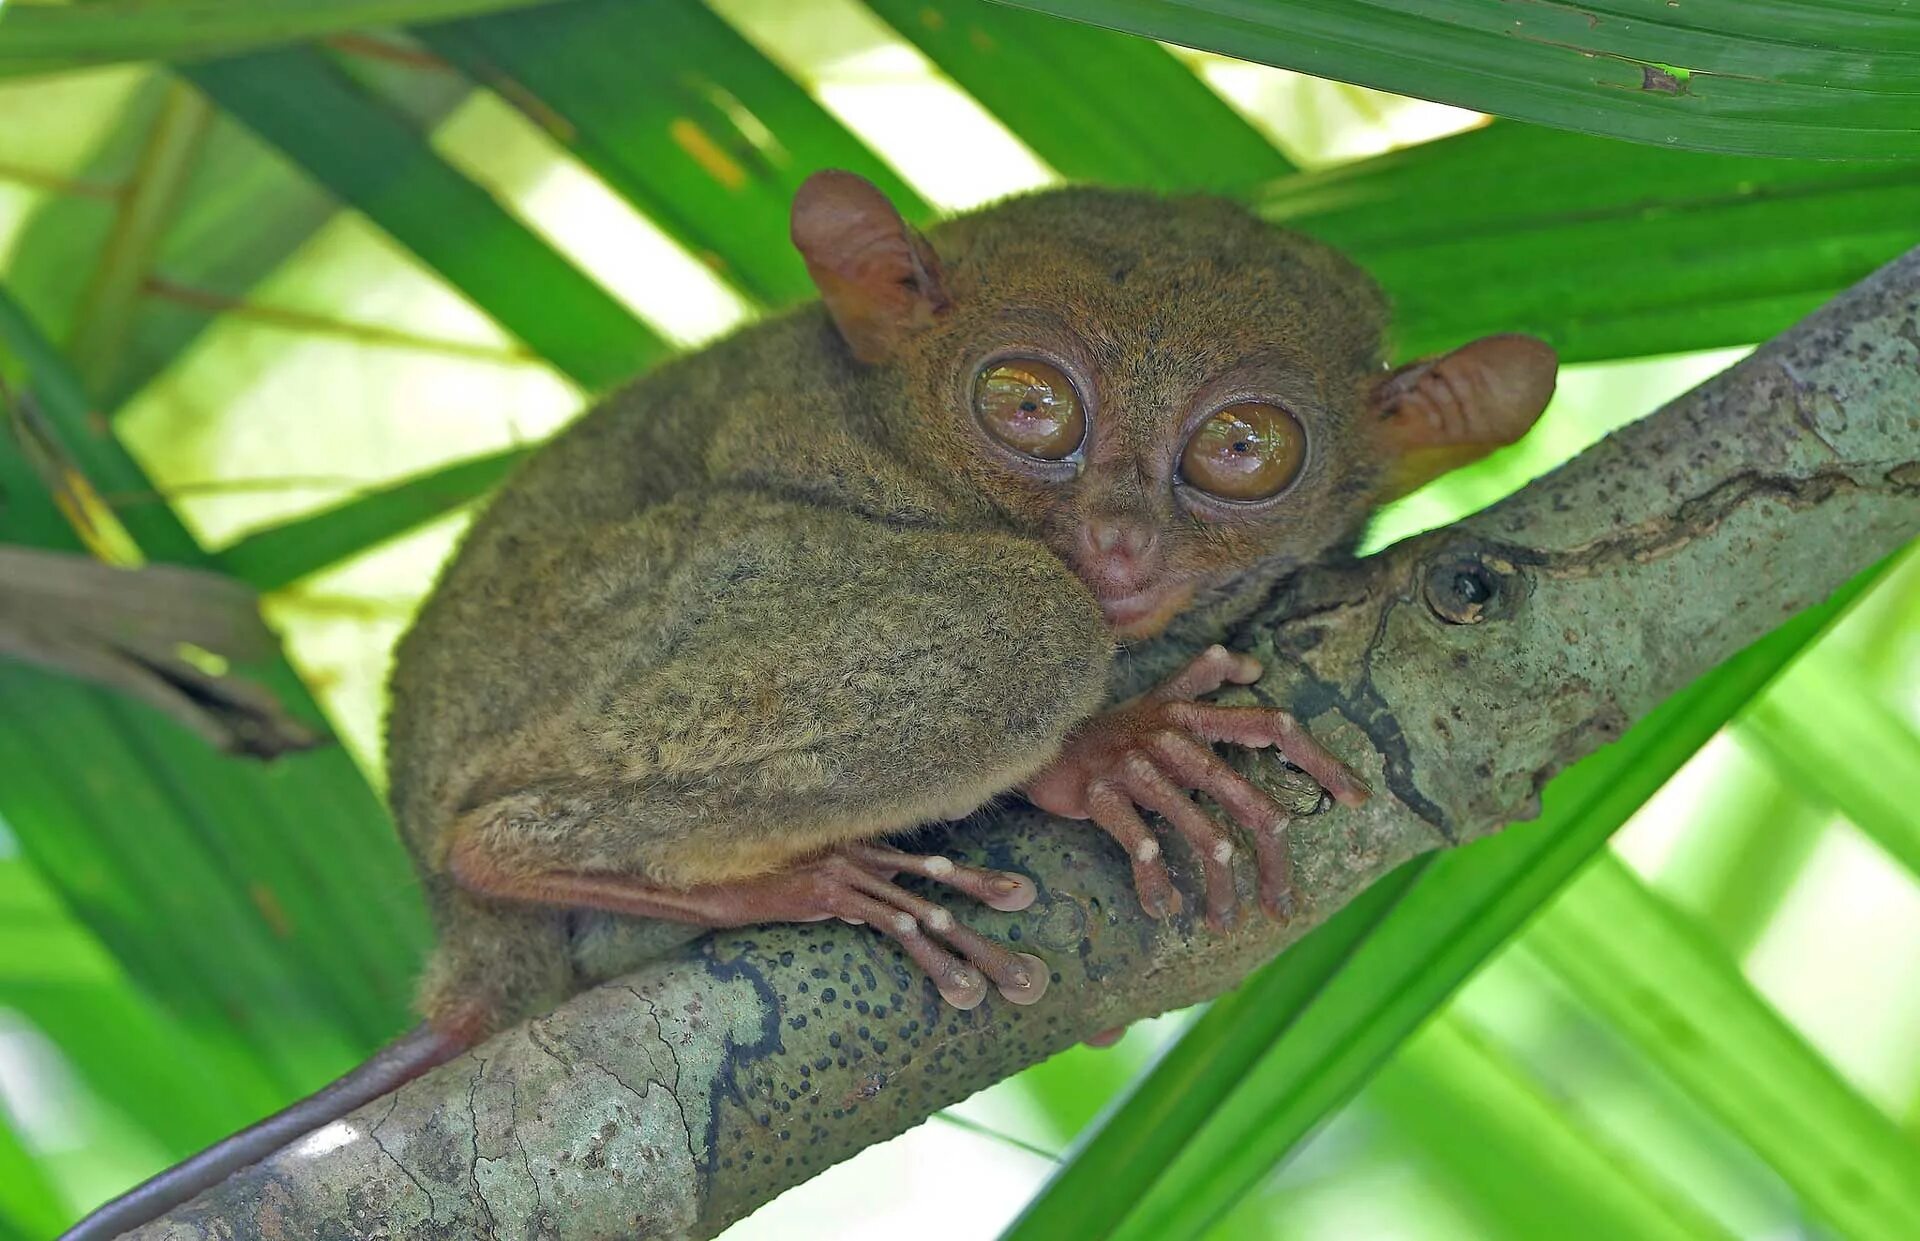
[1799,388]
[373,1135]
[526,1166]
[473,1165]
[1693,518]
[679,1102]
[537,1036]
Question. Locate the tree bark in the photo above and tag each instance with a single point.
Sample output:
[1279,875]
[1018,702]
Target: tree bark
[1458,671]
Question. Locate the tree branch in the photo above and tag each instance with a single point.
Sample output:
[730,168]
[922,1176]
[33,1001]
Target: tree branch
[1460,670]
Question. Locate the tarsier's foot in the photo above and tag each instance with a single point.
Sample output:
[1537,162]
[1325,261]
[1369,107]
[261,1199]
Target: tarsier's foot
[855,884]
[1151,752]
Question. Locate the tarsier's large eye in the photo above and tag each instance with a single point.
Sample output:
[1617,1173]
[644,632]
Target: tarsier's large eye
[1249,451]
[1030,407]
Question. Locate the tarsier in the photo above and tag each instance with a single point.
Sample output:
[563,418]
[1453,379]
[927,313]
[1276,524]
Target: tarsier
[867,566]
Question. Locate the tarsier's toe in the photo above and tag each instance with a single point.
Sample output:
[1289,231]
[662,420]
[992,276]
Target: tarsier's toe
[1157,894]
[996,889]
[1276,875]
[1348,788]
[963,962]
[962,987]
[1009,892]
[1028,982]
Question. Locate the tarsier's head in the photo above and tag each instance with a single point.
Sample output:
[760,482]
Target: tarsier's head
[1169,392]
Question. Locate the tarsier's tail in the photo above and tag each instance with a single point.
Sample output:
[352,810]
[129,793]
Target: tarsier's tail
[399,1062]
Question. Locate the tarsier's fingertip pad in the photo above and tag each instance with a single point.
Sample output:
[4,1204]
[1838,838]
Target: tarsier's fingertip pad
[1009,892]
[963,991]
[1037,975]
[1353,791]
[1161,901]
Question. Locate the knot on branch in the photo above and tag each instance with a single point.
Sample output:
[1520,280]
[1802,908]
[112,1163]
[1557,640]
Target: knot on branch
[1465,586]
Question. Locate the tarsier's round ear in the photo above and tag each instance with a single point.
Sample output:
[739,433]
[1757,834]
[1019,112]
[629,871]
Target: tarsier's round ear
[1437,414]
[879,278]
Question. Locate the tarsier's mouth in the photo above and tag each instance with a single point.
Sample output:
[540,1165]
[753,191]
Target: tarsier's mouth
[1145,612]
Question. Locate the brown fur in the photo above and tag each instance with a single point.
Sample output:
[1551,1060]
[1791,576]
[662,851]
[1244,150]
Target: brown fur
[769,598]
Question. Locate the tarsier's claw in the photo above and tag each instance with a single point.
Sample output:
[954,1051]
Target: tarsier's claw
[1155,752]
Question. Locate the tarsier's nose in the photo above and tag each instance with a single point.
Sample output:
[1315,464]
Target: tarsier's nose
[1131,542]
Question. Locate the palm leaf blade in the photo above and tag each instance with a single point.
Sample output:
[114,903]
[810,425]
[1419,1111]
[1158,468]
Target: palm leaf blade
[681,115]
[1659,981]
[1097,106]
[38,38]
[374,160]
[1818,84]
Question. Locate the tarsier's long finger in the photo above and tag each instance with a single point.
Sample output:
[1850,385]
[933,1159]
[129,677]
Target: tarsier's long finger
[1152,789]
[1021,978]
[1274,855]
[1113,811]
[958,984]
[1208,671]
[1260,726]
[997,889]
[1264,819]
[1197,767]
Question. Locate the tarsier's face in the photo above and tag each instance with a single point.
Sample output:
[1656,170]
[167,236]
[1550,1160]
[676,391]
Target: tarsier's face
[1166,411]
[1150,504]
[1227,461]
[1169,392]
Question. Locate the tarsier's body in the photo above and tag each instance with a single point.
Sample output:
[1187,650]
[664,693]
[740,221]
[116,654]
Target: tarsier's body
[867,566]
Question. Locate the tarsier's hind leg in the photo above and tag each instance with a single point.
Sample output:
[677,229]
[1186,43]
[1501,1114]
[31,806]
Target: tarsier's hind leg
[494,963]
[852,882]
[825,680]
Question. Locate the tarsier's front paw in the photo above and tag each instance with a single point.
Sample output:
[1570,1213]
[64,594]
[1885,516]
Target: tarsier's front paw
[855,884]
[1151,752]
